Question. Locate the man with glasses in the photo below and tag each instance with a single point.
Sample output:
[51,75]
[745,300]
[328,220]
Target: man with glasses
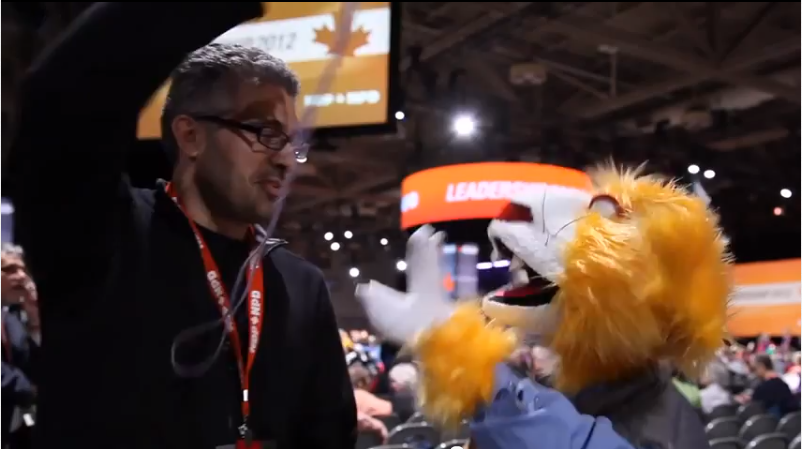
[126,324]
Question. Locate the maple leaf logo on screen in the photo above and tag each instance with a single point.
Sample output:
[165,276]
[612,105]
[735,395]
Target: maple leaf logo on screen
[328,37]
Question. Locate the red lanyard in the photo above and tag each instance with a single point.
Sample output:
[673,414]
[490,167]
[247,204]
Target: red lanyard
[255,309]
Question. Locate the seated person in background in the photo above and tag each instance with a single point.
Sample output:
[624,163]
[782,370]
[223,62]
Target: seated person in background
[763,342]
[368,405]
[20,329]
[367,402]
[404,386]
[793,375]
[359,357]
[373,347]
[733,358]
[358,337]
[348,345]
[771,391]
[714,387]
[367,423]
[687,389]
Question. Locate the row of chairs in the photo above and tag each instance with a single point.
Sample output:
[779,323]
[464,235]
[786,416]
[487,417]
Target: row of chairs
[757,425]
[766,441]
[453,444]
[415,433]
[729,426]
[741,411]
[424,435]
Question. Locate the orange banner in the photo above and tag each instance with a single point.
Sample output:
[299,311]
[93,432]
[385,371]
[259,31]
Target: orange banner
[476,191]
[768,298]
[302,34]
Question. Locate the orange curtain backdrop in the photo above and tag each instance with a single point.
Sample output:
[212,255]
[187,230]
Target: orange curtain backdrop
[767,299]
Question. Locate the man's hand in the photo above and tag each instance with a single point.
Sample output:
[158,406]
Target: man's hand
[367,423]
[30,304]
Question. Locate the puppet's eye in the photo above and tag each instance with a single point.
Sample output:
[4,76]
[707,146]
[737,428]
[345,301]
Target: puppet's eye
[606,206]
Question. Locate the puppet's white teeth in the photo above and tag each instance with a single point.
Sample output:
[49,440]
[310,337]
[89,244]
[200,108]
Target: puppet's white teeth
[520,278]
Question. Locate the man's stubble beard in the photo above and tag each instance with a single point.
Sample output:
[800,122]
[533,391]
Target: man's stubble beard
[217,187]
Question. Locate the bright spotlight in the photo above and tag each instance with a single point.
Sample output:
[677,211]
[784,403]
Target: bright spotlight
[778,211]
[464,126]
[785,193]
[383,242]
[348,234]
[693,169]
[328,236]
[709,174]
[301,159]
[335,246]
[399,115]
[400,265]
[353,272]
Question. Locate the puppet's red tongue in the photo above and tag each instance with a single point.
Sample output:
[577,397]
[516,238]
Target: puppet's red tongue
[518,292]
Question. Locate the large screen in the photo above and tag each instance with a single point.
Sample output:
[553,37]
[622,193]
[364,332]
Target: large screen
[302,34]
[476,191]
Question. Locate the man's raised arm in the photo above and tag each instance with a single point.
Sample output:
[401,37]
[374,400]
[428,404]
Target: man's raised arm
[79,107]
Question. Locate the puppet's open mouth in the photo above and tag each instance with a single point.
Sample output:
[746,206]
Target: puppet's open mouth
[528,288]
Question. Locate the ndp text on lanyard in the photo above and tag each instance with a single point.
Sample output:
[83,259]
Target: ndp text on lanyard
[255,313]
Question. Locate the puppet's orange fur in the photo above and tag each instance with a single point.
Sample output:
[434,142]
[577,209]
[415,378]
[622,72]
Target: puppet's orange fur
[457,359]
[652,285]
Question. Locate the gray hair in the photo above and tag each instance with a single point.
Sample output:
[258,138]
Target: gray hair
[205,83]
[404,374]
[10,249]
[716,373]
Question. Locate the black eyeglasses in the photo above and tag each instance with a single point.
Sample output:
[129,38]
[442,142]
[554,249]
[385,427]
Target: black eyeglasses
[270,134]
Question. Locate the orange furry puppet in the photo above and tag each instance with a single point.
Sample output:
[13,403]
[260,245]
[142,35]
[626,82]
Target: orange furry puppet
[623,282]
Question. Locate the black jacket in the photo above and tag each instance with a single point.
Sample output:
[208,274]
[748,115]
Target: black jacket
[119,273]
[20,368]
[647,410]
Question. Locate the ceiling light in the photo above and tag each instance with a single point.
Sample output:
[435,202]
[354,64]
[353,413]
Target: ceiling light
[693,169]
[400,265]
[383,242]
[328,236]
[348,234]
[464,125]
[335,246]
[353,272]
[709,174]
[785,193]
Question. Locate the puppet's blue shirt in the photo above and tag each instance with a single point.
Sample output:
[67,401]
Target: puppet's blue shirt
[527,415]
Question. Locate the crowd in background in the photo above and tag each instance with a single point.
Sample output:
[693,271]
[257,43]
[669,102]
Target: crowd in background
[761,371]
[385,380]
